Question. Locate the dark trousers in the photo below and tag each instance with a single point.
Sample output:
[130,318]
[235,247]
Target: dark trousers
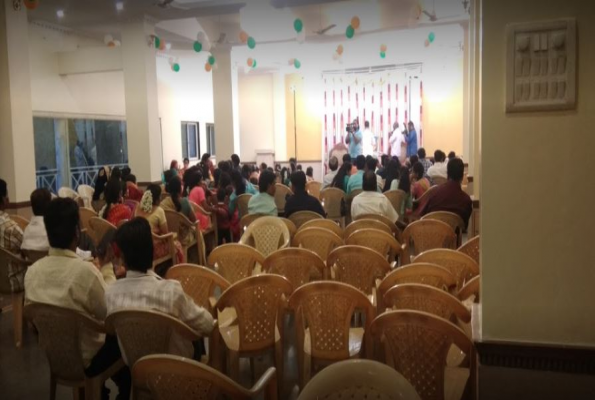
[107,355]
[224,234]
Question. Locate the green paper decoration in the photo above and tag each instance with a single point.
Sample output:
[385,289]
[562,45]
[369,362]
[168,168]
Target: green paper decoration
[211,60]
[298,25]
[297,64]
[251,42]
[382,54]
[157,42]
[176,67]
[254,64]
[197,47]
[432,37]
[350,32]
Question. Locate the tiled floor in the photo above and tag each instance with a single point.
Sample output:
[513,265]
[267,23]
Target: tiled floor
[24,373]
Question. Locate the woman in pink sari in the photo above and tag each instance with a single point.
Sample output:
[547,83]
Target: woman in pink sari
[197,193]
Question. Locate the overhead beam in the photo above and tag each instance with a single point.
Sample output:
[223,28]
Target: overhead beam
[90,60]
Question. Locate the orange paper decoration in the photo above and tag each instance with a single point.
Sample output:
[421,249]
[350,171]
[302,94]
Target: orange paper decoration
[340,49]
[355,22]
[111,44]
[162,45]
[427,43]
[250,62]
[243,37]
[383,48]
[208,67]
[31,4]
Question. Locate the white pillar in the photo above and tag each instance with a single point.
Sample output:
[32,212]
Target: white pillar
[225,104]
[280,127]
[17,151]
[140,86]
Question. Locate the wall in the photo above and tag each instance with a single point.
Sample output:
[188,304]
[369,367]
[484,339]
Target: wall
[538,224]
[257,130]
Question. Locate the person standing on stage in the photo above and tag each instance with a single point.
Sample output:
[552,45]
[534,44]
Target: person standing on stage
[354,140]
[411,139]
[369,140]
[395,141]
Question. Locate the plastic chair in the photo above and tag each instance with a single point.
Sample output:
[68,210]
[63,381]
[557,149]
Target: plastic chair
[462,267]
[7,258]
[281,193]
[66,192]
[211,232]
[349,199]
[60,334]
[33,256]
[471,288]
[247,220]
[420,236]
[321,241]
[242,203]
[235,261]
[198,282]
[171,378]
[297,265]
[439,180]
[189,234]
[86,193]
[98,228]
[453,220]
[377,240]
[381,218]
[325,224]
[259,302]
[397,198]
[22,222]
[358,379]
[167,240]
[313,188]
[290,226]
[471,248]
[332,200]
[365,224]
[323,313]
[301,217]
[266,234]
[417,344]
[85,215]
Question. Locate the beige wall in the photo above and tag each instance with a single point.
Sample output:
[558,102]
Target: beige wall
[255,96]
[538,223]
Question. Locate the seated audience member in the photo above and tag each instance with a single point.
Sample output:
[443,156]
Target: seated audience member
[285,174]
[310,174]
[64,280]
[301,200]
[419,183]
[450,196]
[194,188]
[11,238]
[246,172]
[114,211]
[412,160]
[421,154]
[35,237]
[299,167]
[224,216]
[451,155]
[341,180]
[224,166]
[264,202]
[384,160]
[347,159]
[235,161]
[206,167]
[393,171]
[184,168]
[372,202]
[439,167]
[263,167]
[240,187]
[371,164]
[134,193]
[405,186]
[143,289]
[355,181]
[100,183]
[333,165]
[175,201]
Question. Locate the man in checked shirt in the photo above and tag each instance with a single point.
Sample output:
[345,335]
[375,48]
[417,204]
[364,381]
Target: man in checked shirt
[11,238]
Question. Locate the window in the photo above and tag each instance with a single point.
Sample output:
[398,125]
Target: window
[211,139]
[190,145]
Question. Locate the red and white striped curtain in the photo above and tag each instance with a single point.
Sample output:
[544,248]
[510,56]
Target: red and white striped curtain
[379,97]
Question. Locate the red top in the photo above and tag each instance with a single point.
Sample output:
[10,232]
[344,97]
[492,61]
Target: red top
[134,193]
[118,213]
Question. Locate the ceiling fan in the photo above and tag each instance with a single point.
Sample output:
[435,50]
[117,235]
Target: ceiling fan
[323,31]
[432,15]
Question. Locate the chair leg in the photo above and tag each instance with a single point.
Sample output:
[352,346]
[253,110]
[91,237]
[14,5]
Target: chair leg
[279,364]
[233,358]
[78,393]
[93,388]
[17,309]
[271,392]
[53,385]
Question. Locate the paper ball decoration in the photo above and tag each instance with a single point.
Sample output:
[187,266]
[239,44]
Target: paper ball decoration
[157,42]
[382,54]
[251,42]
[427,43]
[31,4]
[243,37]
[298,25]
[355,22]
[211,60]
[350,32]
[250,61]
[162,45]
[208,67]
[254,64]
[383,48]
[176,67]
[111,44]
[432,37]
[197,46]
[340,49]
[297,64]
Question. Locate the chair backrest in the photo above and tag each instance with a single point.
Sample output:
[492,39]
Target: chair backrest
[439,180]
[377,240]
[8,258]
[281,192]
[22,222]
[460,265]
[196,208]
[301,217]
[381,218]
[242,202]
[267,234]
[247,220]
[66,192]
[412,296]
[471,288]
[321,241]
[325,224]
[331,199]
[313,188]
[97,205]
[198,282]
[453,220]
[98,228]
[471,248]
[424,197]
[365,224]
[358,379]
[189,233]
[235,261]
[258,301]
[60,334]
[172,378]
[297,265]
[358,266]
[34,255]
[418,344]
[326,308]
[429,234]
[142,332]
[397,198]
[86,192]
[290,226]
[85,215]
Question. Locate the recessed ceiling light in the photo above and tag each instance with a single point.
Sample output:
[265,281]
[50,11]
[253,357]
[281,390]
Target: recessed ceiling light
[119,6]
[60,13]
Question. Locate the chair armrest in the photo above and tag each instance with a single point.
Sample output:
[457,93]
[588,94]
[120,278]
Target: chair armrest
[269,378]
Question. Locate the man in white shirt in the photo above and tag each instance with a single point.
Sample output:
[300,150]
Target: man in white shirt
[395,141]
[144,289]
[439,167]
[333,164]
[63,279]
[35,237]
[371,201]
[369,140]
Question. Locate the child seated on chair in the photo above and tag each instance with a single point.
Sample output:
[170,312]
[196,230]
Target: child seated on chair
[223,216]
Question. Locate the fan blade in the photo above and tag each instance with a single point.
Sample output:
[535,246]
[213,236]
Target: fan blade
[325,30]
